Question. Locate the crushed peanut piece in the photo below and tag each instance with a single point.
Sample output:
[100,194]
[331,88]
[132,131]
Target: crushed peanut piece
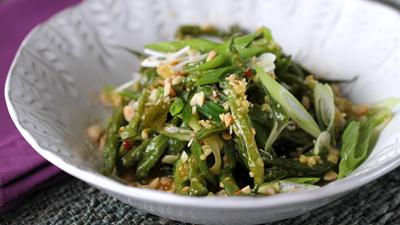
[311,160]
[221,193]
[270,191]
[94,132]
[330,176]
[207,27]
[228,119]
[155,183]
[105,99]
[305,101]
[246,190]
[332,158]
[145,134]
[185,189]
[128,112]
[359,109]
[102,141]
[335,152]
[194,110]
[177,80]
[211,55]
[303,159]
[184,157]
[169,159]
[227,136]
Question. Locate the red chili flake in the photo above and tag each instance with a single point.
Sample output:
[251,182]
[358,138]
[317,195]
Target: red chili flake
[248,73]
[179,73]
[185,74]
[226,159]
[127,144]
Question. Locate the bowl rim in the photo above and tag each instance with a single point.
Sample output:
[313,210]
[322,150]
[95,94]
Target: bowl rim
[339,187]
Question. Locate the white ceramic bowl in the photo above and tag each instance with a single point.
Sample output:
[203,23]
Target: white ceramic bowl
[63,62]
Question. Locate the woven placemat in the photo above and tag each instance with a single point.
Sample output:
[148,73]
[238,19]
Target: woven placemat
[75,202]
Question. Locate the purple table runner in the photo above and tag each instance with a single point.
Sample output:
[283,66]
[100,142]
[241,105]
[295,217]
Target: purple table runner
[22,170]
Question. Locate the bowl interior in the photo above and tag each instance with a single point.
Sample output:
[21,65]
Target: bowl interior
[63,65]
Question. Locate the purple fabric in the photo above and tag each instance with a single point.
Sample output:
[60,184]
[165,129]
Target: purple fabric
[22,169]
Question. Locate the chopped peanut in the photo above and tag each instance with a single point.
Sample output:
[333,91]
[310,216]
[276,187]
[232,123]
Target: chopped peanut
[102,141]
[184,157]
[207,27]
[167,89]
[128,112]
[246,190]
[270,191]
[211,55]
[185,189]
[94,133]
[311,160]
[169,159]
[105,99]
[176,80]
[332,158]
[228,119]
[330,176]
[155,183]
[226,136]
[305,101]
[335,152]
[303,159]
[145,134]
[221,193]
[359,109]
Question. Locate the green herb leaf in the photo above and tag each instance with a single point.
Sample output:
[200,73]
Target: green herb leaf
[130,94]
[211,110]
[303,180]
[267,33]
[223,56]
[199,44]
[218,75]
[176,107]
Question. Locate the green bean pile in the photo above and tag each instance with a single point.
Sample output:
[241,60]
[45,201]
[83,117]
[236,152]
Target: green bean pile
[234,118]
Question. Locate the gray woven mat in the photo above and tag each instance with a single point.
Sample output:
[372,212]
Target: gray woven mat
[75,202]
